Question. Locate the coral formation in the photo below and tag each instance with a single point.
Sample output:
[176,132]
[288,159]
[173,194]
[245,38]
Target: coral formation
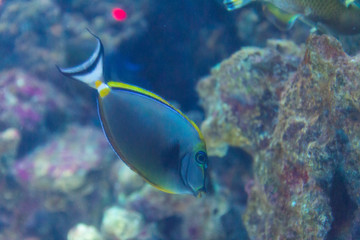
[182,216]
[64,162]
[84,232]
[121,224]
[27,102]
[300,124]
[9,142]
[241,97]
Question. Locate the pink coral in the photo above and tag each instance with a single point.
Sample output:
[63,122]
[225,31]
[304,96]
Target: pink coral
[26,100]
[63,163]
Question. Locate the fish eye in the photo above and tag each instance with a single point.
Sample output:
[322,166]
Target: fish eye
[201,157]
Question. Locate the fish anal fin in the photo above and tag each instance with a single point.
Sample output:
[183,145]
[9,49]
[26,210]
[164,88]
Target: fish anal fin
[280,18]
[234,4]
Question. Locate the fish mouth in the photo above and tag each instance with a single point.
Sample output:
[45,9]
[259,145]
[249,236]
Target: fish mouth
[198,193]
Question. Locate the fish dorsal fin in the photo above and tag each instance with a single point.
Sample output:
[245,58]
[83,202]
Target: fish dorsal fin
[280,18]
[89,71]
[234,4]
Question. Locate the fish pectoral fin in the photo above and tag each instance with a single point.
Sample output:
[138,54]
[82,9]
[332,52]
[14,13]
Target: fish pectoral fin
[234,4]
[280,18]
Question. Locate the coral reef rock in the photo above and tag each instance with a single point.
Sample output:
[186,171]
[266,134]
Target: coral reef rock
[121,224]
[63,164]
[300,123]
[181,216]
[241,97]
[9,141]
[26,101]
[84,232]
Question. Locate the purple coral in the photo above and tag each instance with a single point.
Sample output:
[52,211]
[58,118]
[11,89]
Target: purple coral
[63,163]
[26,100]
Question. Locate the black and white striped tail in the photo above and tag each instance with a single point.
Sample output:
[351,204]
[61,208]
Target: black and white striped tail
[91,70]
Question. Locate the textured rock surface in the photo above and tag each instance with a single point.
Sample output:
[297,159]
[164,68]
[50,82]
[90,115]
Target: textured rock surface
[300,124]
[121,224]
[84,232]
[64,163]
[181,217]
[9,142]
[26,102]
[241,97]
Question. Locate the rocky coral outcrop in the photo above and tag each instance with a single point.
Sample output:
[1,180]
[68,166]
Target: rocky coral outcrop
[27,102]
[62,165]
[300,124]
[241,97]
[84,232]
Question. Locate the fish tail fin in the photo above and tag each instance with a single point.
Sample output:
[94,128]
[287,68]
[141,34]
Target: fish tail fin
[90,71]
[234,4]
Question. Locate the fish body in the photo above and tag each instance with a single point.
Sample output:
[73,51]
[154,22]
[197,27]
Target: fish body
[151,136]
[336,16]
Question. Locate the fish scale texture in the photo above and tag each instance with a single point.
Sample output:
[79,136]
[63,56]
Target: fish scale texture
[301,127]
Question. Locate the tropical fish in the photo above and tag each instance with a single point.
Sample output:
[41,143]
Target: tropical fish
[150,135]
[330,16]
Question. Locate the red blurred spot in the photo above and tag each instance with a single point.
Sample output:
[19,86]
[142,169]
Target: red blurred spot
[119,14]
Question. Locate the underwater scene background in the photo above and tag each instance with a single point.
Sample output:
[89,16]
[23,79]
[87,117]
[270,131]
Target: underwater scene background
[279,111]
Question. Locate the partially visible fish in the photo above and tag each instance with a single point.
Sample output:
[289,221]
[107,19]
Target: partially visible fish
[334,16]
